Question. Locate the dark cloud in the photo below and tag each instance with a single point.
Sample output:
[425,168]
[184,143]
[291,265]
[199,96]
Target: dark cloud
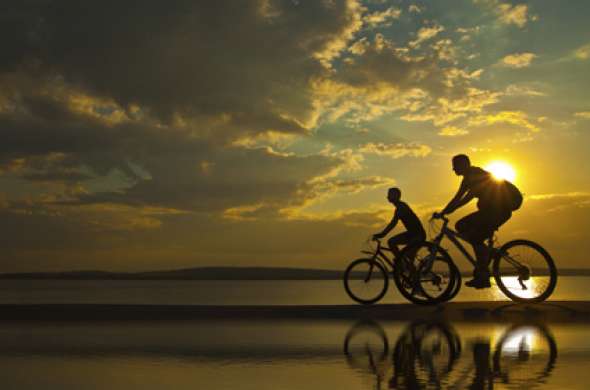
[203,60]
[159,91]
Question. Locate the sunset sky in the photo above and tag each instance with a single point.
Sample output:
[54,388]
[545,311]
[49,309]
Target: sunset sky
[142,135]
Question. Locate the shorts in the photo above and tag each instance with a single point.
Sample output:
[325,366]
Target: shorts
[479,226]
[406,238]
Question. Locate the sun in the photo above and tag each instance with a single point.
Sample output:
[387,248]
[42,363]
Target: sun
[501,170]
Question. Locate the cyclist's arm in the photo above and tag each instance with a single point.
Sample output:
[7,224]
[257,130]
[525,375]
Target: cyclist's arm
[462,197]
[389,227]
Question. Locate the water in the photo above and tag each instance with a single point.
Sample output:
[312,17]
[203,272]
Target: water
[293,355]
[285,354]
[325,292]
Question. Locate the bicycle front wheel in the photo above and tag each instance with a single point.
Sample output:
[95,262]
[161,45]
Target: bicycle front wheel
[425,274]
[366,281]
[524,271]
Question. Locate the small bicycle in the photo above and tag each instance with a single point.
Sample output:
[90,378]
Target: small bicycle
[366,280]
[523,270]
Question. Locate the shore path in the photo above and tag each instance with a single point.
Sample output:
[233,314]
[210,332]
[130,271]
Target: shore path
[552,311]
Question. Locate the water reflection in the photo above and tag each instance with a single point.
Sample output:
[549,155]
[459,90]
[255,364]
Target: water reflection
[429,355]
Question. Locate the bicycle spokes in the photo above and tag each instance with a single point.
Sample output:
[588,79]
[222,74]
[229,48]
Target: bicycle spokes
[524,271]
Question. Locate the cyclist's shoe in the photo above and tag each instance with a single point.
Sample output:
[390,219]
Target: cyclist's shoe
[479,283]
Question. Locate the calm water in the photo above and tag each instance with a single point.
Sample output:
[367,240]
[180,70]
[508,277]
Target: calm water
[280,354]
[230,292]
[293,355]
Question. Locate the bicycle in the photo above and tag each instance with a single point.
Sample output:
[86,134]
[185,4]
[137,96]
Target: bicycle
[429,354]
[523,270]
[366,280]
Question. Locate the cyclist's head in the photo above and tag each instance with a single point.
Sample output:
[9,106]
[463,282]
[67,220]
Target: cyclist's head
[394,194]
[460,164]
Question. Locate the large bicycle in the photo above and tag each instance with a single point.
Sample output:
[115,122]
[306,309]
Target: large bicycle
[366,280]
[523,270]
[430,355]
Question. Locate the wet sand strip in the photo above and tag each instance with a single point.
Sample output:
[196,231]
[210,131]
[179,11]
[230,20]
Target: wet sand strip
[553,311]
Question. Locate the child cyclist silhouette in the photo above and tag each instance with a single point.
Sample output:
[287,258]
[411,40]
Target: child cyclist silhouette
[414,233]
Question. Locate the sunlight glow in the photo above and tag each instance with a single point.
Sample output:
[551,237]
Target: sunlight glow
[501,170]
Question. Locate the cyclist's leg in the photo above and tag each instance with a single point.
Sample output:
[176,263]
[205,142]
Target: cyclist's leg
[406,238]
[475,228]
[399,239]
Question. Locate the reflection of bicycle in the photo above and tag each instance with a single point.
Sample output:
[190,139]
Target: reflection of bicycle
[522,358]
[522,269]
[423,354]
[427,355]
[366,280]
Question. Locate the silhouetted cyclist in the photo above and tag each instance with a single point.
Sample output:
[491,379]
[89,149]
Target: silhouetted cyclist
[493,211]
[414,233]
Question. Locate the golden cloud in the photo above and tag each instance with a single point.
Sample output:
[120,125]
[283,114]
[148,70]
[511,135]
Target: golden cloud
[522,90]
[518,60]
[583,52]
[452,131]
[516,118]
[446,110]
[382,17]
[334,47]
[415,9]
[397,150]
[426,33]
[513,14]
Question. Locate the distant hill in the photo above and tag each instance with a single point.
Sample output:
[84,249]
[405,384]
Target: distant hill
[217,273]
[204,273]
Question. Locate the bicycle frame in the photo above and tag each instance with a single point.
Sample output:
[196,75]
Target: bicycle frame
[453,236]
[379,255]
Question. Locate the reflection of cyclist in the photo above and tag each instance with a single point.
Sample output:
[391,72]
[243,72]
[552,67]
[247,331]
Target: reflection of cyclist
[483,377]
[476,227]
[415,233]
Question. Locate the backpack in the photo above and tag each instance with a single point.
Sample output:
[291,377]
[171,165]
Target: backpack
[494,193]
[506,194]
[515,195]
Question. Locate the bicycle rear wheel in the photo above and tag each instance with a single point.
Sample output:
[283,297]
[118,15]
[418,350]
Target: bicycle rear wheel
[524,271]
[366,281]
[425,274]
[525,356]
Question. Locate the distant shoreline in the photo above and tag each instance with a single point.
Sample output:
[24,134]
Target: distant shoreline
[213,273]
[202,273]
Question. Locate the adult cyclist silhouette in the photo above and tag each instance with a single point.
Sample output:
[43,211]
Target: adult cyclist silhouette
[493,211]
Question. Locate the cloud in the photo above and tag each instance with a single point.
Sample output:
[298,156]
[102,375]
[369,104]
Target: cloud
[381,78]
[448,109]
[582,53]
[518,60]
[413,8]
[425,33]
[382,18]
[560,195]
[509,14]
[513,14]
[452,131]
[322,189]
[397,150]
[359,47]
[516,118]
[445,50]
[116,65]
[522,90]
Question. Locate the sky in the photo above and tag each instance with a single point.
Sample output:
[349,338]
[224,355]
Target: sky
[144,135]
